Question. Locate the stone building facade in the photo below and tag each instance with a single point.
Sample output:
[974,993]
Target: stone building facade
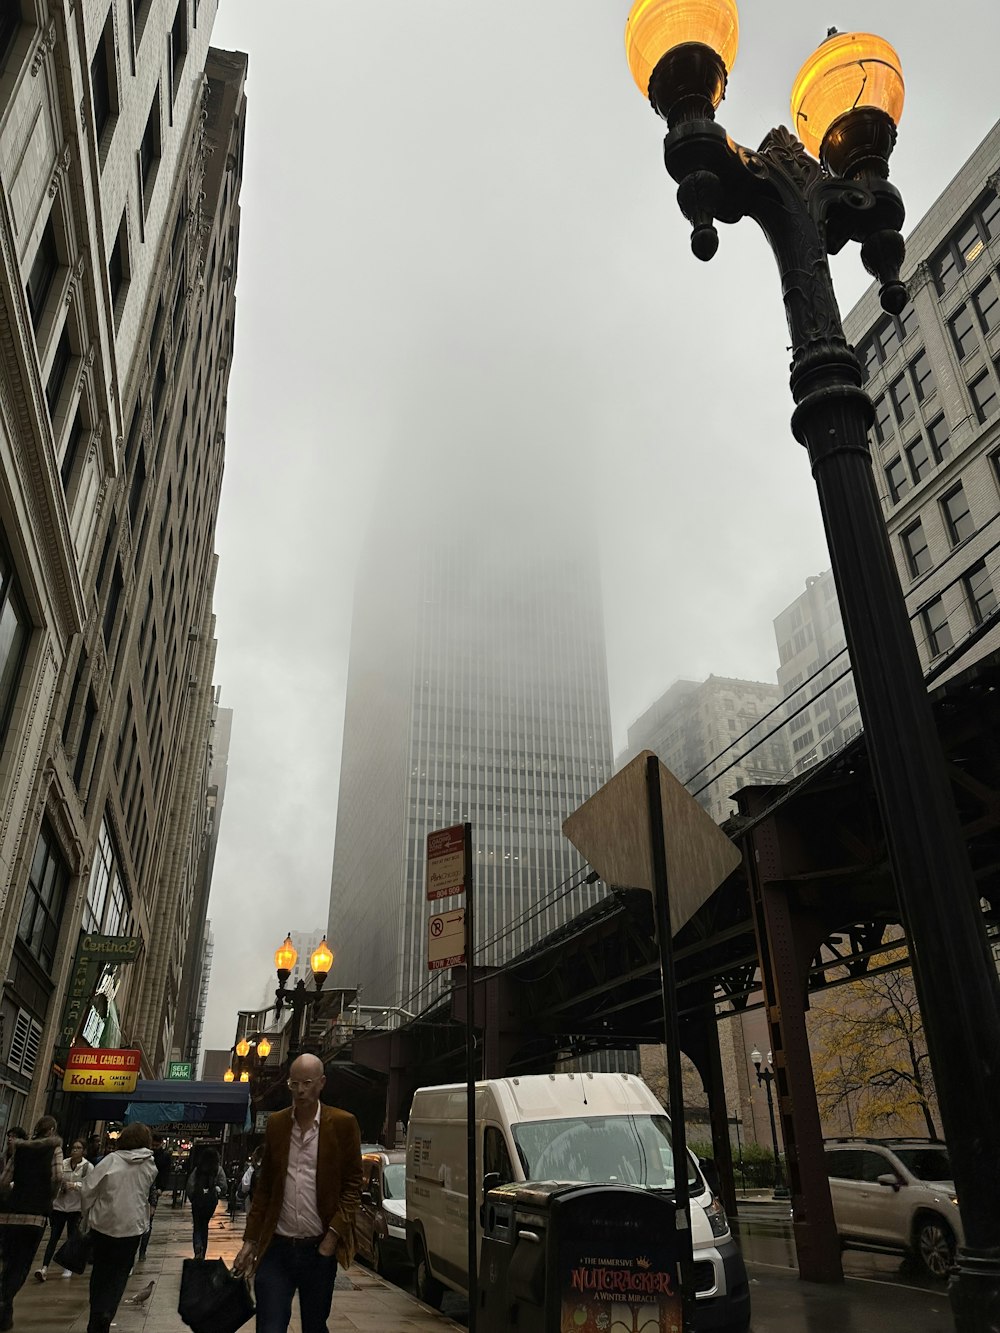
[121,137]
[934,376]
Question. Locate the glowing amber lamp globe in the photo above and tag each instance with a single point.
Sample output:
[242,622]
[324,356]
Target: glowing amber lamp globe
[321,958]
[229,1076]
[655,27]
[263,1048]
[286,957]
[242,1048]
[245,1077]
[848,71]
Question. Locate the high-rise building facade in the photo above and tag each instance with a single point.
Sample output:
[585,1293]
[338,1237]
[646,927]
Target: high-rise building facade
[934,376]
[715,736]
[197,965]
[814,674]
[477,691]
[121,139]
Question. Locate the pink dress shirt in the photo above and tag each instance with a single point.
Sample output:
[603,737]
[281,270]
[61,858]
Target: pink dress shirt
[299,1214]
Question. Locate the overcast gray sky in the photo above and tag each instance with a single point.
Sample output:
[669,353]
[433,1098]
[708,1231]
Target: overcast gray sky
[455,214]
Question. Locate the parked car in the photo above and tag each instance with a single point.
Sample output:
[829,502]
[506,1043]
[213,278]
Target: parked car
[898,1196]
[381,1219]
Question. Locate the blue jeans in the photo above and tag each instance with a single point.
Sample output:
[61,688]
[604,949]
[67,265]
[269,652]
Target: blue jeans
[294,1266]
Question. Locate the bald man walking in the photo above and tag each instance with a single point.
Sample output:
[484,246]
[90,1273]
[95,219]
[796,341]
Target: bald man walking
[301,1222]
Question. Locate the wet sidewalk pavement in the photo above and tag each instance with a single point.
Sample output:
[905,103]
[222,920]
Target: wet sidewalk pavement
[875,1298]
[362,1300]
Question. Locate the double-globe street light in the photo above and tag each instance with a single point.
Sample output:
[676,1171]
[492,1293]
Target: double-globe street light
[248,1057]
[299,999]
[765,1076]
[846,102]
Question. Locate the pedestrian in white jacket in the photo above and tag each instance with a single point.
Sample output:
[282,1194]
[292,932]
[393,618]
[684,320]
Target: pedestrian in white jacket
[115,1200]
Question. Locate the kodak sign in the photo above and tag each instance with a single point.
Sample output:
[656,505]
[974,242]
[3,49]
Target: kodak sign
[91,1070]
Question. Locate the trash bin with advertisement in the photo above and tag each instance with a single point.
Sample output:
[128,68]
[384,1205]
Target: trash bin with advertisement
[560,1258]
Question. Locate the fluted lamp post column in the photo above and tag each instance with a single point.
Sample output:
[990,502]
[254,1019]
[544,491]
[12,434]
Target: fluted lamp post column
[811,195]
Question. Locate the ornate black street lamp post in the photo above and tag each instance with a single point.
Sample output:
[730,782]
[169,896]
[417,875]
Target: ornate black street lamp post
[765,1076]
[299,999]
[846,102]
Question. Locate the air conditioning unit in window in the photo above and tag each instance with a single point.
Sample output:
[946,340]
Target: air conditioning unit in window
[193,634]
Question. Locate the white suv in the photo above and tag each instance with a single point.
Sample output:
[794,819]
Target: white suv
[895,1195]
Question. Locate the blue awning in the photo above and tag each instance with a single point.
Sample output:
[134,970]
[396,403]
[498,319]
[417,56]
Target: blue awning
[168,1101]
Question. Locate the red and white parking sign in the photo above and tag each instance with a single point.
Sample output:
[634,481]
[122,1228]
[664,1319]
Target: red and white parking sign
[446,862]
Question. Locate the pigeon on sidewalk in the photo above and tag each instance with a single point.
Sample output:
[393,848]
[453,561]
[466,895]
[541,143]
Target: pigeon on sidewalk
[141,1297]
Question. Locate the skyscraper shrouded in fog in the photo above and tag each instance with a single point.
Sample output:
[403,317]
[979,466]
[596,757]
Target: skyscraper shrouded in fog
[477,690]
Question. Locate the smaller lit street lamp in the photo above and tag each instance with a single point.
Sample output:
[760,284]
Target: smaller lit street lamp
[299,998]
[765,1076]
[248,1058]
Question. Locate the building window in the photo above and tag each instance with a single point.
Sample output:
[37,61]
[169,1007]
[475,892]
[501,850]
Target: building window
[920,459]
[111,609]
[83,749]
[869,359]
[937,433]
[104,85]
[119,268]
[902,398]
[937,631]
[908,321]
[140,13]
[957,517]
[899,481]
[918,556]
[43,270]
[149,150]
[887,337]
[984,395]
[963,332]
[71,455]
[883,419]
[14,635]
[107,901]
[136,488]
[987,302]
[945,269]
[10,26]
[979,590]
[178,46]
[923,375]
[44,901]
[967,244]
[58,370]
[991,217]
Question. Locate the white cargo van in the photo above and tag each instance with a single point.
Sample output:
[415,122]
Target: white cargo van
[596,1128]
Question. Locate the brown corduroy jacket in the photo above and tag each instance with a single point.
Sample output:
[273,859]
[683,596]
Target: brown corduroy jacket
[338,1179]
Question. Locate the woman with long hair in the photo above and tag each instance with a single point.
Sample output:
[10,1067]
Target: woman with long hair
[116,1207]
[206,1185]
[29,1181]
[66,1206]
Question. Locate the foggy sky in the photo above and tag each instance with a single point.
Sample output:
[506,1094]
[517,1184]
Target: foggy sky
[460,248]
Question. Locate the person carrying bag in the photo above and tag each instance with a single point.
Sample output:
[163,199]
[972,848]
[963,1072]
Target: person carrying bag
[206,1185]
[66,1213]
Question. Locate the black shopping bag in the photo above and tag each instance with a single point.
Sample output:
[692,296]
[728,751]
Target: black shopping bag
[76,1251]
[212,1299]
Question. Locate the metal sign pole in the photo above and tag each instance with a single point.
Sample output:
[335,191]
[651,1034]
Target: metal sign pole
[470,1075]
[671,1031]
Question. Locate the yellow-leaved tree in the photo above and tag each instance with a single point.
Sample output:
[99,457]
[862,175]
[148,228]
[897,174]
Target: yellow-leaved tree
[869,1056]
